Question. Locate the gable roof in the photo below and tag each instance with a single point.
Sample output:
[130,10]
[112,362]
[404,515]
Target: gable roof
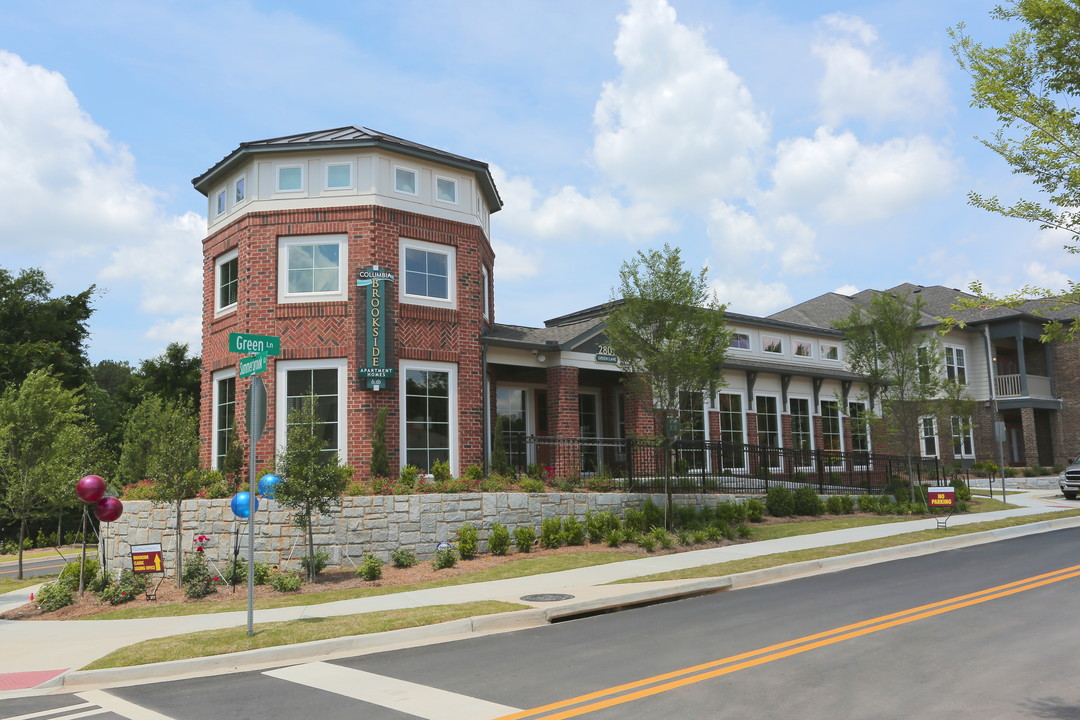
[350,136]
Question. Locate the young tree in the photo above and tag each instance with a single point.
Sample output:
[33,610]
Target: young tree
[1032,84]
[161,442]
[312,480]
[667,329]
[46,444]
[886,342]
[173,375]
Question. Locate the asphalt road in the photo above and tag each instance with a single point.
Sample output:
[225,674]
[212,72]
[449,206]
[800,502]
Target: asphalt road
[983,632]
[40,566]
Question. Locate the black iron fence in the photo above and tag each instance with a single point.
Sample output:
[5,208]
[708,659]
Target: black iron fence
[647,465]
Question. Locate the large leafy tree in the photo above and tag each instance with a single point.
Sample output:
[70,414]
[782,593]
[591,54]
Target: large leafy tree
[1032,85]
[312,481]
[39,331]
[46,444]
[173,374]
[886,342]
[667,329]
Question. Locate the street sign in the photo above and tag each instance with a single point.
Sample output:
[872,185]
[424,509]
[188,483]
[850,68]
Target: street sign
[256,409]
[252,364]
[254,344]
[146,559]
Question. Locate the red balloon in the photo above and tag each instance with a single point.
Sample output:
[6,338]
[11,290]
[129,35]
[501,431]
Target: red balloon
[108,509]
[90,489]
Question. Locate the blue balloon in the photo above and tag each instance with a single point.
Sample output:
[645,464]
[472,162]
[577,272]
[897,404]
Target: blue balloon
[266,485]
[240,503]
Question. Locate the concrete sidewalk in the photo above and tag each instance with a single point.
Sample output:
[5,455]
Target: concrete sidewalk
[45,654]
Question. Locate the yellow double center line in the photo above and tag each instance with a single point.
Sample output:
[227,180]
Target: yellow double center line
[657,684]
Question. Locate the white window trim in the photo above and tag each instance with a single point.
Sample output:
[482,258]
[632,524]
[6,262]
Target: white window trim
[285,241]
[215,379]
[486,295]
[218,262]
[281,369]
[235,183]
[749,342]
[284,166]
[451,281]
[779,339]
[840,415]
[923,436]
[416,183]
[852,418]
[221,202]
[954,365]
[823,356]
[810,416]
[449,180]
[808,343]
[967,433]
[336,188]
[403,367]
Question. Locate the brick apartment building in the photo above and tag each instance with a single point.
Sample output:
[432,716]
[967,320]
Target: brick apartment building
[370,257]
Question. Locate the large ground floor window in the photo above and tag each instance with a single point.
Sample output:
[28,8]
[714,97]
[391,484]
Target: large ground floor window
[224,415]
[511,407]
[429,392]
[732,430]
[324,380]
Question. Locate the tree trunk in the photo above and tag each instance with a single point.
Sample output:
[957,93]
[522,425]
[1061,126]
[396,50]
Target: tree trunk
[311,550]
[22,537]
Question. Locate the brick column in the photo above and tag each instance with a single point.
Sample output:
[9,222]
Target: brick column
[564,420]
[1031,446]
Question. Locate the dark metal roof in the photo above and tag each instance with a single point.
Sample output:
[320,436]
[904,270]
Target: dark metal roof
[351,136]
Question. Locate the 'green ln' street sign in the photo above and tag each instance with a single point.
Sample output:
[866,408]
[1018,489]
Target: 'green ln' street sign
[252,364]
[254,344]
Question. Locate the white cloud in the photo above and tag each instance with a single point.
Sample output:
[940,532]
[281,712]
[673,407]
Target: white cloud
[70,193]
[678,127]
[514,263]
[854,86]
[751,297]
[750,242]
[849,182]
[1041,276]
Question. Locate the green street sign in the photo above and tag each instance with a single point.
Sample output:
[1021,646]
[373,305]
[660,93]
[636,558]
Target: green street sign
[254,344]
[252,365]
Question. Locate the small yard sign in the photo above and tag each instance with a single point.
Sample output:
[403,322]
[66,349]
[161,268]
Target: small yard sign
[146,559]
[941,497]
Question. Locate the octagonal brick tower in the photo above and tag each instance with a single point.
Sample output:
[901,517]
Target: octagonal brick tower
[369,256]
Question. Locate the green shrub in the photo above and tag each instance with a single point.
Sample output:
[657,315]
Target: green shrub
[615,537]
[473,473]
[285,581]
[731,513]
[403,558]
[499,539]
[662,538]
[142,490]
[551,532]
[634,520]
[371,568]
[495,483]
[599,524]
[262,573]
[215,484]
[440,471]
[319,562]
[235,571]
[699,536]
[524,537]
[685,537]
[468,539]
[715,533]
[444,558]
[54,595]
[779,501]
[407,480]
[744,532]
[840,505]
[645,542]
[69,576]
[573,531]
[961,490]
[98,583]
[755,510]
[599,483]
[196,578]
[806,501]
[531,485]
[127,588]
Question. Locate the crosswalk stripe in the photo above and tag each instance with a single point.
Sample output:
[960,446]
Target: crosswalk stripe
[114,704]
[419,700]
[56,711]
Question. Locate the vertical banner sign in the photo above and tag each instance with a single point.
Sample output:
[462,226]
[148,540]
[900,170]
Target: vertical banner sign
[374,309]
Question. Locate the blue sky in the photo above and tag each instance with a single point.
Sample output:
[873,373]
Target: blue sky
[793,147]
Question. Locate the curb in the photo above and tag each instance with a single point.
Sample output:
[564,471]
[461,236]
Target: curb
[523,619]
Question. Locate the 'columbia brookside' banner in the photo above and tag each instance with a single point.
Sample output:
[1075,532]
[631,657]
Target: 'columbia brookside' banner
[374,312]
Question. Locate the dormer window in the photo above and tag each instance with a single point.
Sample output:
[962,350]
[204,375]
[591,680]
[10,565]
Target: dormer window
[446,190]
[220,203]
[405,180]
[239,190]
[772,344]
[338,176]
[290,178]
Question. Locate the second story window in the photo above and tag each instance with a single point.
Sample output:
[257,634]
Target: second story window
[803,349]
[338,176]
[446,190]
[428,274]
[290,178]
[219,203]
[405,181]
[830,351]
[955,364]
[226,269]
[239,190]
[311,268]
[772,344]
[739,341]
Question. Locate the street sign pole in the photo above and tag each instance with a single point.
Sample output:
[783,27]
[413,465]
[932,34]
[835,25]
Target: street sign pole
[256,421]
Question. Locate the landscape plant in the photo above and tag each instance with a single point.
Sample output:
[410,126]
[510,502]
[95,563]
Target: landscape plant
[285,581]
[499,539]
[468,539]
[371,568]
[403,558]
[779,501]
[444,558]
[551,532]
[524,538]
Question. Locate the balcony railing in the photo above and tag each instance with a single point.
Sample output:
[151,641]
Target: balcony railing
[1008,386]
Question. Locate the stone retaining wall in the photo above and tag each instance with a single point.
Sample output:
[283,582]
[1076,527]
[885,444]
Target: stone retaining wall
[375,524]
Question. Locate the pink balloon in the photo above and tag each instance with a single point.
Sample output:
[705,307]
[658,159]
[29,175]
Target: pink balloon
[108,509]
[90,489]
